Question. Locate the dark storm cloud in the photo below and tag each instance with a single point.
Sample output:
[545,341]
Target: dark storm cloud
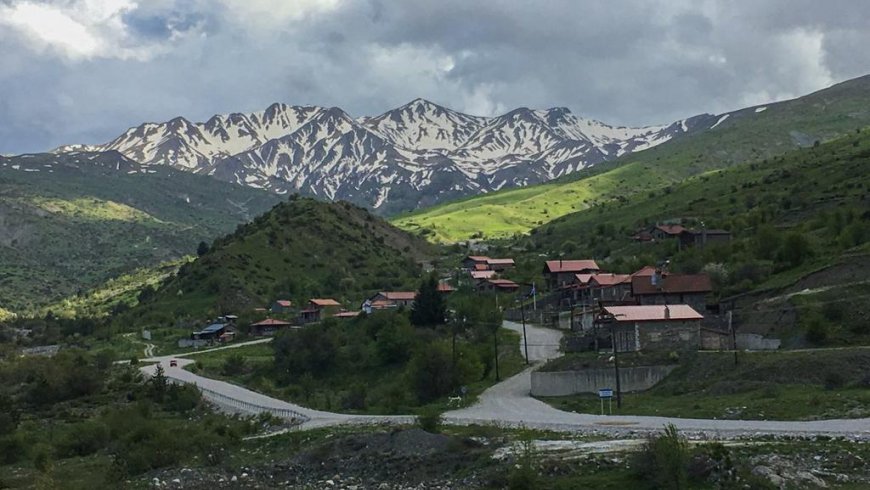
[629,62]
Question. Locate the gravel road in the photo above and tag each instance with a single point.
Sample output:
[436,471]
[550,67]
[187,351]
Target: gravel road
[509,403]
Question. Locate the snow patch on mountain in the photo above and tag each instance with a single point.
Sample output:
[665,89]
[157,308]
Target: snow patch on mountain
[416,155]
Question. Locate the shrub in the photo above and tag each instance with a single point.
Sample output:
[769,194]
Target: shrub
[664,459]
[430,420]
[834,380]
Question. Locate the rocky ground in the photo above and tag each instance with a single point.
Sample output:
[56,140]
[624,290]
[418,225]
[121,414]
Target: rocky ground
[415,459]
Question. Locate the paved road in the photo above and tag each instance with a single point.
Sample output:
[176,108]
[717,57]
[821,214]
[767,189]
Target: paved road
[509,403]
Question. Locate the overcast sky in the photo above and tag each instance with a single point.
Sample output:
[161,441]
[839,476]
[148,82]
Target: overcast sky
[84,70]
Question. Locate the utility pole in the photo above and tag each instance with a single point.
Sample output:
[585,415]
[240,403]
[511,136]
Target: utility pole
[616,364]
[495,341]
[525,339]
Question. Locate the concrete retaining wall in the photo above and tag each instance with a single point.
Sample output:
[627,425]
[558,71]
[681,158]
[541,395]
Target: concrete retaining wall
[564,383]
[751,341]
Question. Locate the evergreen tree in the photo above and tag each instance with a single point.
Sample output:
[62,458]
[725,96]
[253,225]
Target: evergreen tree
[428,308]
[202,249]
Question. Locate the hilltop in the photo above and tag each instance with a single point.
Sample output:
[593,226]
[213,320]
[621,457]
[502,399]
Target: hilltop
[69,223]
[302,248]
[749,134]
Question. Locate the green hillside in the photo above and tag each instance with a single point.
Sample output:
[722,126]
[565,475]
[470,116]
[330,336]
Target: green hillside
[68,223]
[745,135]
[300,249]
[800,224]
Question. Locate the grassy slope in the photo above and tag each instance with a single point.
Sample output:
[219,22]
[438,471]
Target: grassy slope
[299,250]
[75,224]
[774,386]
[745,135]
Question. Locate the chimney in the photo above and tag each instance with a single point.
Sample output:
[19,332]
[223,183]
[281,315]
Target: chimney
[656,278]
[667,313]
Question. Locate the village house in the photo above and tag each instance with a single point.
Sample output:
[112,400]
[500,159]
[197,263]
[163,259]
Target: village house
[346,315]
[392,299]
[609,287]
[282,306]
[500,265]
[318,309]
[665,289]
[484,263]
[497,285]
[693,238]
[560,273]
[652,327]
[269,326]
[475,262]
[483,275]
[445,288]
[666,232]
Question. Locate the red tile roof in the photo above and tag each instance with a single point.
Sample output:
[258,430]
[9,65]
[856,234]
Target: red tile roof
[324,302]
[653,313]
[608,280]
[671,229]
[500,261]
[503,283]
[399,295]
[646,271]
[445,288]
[672,283]
[554,266]
[271,322]
[583,279]
[285,303]
[482,274]
[481,267]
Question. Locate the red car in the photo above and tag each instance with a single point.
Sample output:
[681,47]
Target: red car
[173,363]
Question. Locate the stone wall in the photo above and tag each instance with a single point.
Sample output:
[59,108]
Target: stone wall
[563,383]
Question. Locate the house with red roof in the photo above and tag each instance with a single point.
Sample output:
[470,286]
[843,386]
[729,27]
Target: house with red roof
[482,275]
[269,326]
[666,328]
[560,273]
[666,231]
[472,262]
[497,285]
[318,309]
[392,299]
[666,289]
[281,306]
[609,287]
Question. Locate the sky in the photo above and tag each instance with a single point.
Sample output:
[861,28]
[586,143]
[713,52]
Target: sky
[83,71]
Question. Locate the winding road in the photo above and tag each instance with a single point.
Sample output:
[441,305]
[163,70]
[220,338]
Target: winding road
[509,403]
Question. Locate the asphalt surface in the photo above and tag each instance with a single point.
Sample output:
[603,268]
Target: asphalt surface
[509,403]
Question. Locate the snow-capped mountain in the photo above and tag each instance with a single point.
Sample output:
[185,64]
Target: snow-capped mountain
[416,155]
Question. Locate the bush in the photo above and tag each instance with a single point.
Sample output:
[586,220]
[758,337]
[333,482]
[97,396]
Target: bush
[430,420]
[834,380]
[664,459]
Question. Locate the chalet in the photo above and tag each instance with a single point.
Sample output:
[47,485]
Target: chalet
[666,231]
[484,263]
[482,275]
[658,289]
[497,285]
[610,287]
[652,327]
[282,306]
[500,265]
[692,238]
[393,299]
[560,273]
[318,309]
[445,288]
[269,326]
[472,261]
[212,332]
